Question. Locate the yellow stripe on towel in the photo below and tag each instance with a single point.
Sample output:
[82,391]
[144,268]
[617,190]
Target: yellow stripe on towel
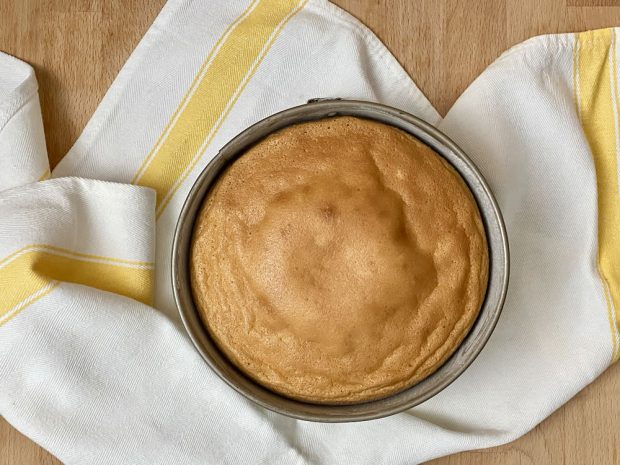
[45,175]
[596,91]
[33,271]
[219,83]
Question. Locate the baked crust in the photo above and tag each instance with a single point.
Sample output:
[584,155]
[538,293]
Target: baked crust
[339,261]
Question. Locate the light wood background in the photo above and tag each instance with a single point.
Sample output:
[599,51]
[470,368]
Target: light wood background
[78,46]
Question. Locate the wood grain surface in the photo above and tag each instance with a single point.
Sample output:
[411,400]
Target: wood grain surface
[78,46]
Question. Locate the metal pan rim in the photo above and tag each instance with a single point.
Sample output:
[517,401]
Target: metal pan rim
[466,352]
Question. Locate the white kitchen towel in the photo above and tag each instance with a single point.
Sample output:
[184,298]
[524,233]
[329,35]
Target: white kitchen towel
[23,156]
[97,377]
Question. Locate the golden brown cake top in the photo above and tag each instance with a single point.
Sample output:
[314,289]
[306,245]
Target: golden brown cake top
[339,261]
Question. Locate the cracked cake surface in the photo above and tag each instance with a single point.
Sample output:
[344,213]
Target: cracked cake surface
[339,261]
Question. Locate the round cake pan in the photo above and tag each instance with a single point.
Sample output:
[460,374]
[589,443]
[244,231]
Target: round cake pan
[466,352]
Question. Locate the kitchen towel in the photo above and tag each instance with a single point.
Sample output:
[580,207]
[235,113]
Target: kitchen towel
[94,364]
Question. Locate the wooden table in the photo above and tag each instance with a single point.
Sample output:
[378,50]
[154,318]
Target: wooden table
[78,46]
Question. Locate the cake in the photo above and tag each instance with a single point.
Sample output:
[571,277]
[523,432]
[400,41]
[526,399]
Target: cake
[338,261]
